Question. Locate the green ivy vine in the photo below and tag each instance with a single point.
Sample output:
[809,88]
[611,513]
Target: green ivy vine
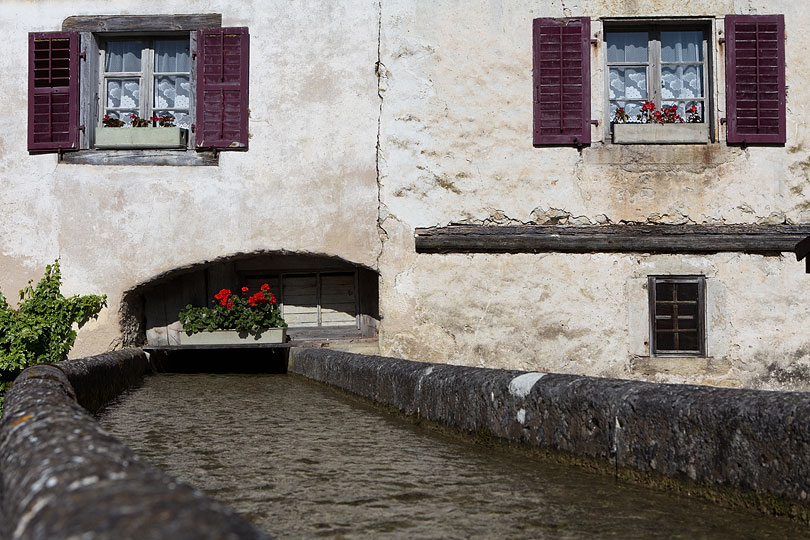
[43,326]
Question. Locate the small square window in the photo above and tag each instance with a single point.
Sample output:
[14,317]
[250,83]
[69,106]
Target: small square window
[677,315]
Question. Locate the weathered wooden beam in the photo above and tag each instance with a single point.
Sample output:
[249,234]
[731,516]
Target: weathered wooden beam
[802,249]
[167,158]
[762,239]
[141,23]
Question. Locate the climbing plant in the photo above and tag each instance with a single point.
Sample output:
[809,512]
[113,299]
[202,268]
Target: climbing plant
[43,326]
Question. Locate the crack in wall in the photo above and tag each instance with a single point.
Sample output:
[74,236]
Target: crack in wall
[379,67]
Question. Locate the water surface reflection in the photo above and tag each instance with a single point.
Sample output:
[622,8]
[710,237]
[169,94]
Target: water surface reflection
[301,460]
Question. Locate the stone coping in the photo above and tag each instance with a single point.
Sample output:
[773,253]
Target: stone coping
[743,447]
[62,476]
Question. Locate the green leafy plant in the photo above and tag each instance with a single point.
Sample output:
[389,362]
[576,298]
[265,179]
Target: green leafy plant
[41,329]
[243,312]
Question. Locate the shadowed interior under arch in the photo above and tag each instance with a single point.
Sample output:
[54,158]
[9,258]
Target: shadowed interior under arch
[320,297]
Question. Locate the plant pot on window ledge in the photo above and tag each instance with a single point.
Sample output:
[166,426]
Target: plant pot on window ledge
[233,337]
[142,137]
[685,133]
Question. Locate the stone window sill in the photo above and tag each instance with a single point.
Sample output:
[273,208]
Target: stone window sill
[680,365]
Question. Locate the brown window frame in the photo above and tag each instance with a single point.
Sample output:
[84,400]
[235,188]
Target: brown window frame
[652,283]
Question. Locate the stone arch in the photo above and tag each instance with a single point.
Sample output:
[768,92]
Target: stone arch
[324,297]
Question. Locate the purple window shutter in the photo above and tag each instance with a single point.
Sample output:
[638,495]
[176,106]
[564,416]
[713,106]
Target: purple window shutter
[562,81]
[53,91]
[222,88]
[755,79]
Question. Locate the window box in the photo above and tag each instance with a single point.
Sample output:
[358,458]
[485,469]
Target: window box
[697,133]
[142,137]
[233,337]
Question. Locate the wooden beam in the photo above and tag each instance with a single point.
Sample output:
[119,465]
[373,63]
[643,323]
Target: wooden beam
[802,249]
[173,158]
[762,239]
[142,23]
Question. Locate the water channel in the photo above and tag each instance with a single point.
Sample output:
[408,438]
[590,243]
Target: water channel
[301,460]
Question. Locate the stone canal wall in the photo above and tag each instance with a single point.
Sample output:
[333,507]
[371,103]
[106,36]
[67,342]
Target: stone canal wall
[62,476]
[747,447]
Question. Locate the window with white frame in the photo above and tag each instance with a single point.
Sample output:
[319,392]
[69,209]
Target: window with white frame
[148,79]
[664,66]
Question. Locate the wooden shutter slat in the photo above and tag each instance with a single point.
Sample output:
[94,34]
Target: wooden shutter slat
[222,88]
[53,91]
[562,82]
[755,79]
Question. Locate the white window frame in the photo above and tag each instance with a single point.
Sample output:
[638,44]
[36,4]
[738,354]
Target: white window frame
[146,76]
[654,64]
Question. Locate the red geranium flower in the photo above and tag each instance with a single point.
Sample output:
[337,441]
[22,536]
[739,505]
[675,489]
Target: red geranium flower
[223,293]
[257,298]
[265,287]
[244,289]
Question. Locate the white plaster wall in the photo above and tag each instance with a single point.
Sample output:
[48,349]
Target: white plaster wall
[456,147]
[307,184]
[589,313]
[457,126]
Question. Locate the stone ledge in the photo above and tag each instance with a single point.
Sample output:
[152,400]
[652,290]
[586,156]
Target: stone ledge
[680,365]
[62,476]
[754,443]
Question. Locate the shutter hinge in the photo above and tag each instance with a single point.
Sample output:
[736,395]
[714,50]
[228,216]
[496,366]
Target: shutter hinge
[594,122]
[83,55]
[194,55]
[723,120]
[193,128]
[721,40]
[81,128]
[594,42]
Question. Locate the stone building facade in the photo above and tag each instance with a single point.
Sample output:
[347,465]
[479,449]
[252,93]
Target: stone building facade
[373,126]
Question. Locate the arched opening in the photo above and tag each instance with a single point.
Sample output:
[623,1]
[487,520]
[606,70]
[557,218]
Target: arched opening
[322,298]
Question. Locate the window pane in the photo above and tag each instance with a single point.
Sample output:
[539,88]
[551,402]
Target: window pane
[664,323]
[181,118]
[687,291]
[171,92]
[627,47]
[125,115]
[663,291]
[628,83]
[665,341]
[663,310]
[172,56]
[123,93]
[631,108]
[123,56]
[685,46]
[688,341]
[681,82]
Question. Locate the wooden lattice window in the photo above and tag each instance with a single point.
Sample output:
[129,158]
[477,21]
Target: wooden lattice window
[677,315]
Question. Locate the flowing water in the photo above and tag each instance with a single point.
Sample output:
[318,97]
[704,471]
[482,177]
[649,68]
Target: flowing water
[301,460]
